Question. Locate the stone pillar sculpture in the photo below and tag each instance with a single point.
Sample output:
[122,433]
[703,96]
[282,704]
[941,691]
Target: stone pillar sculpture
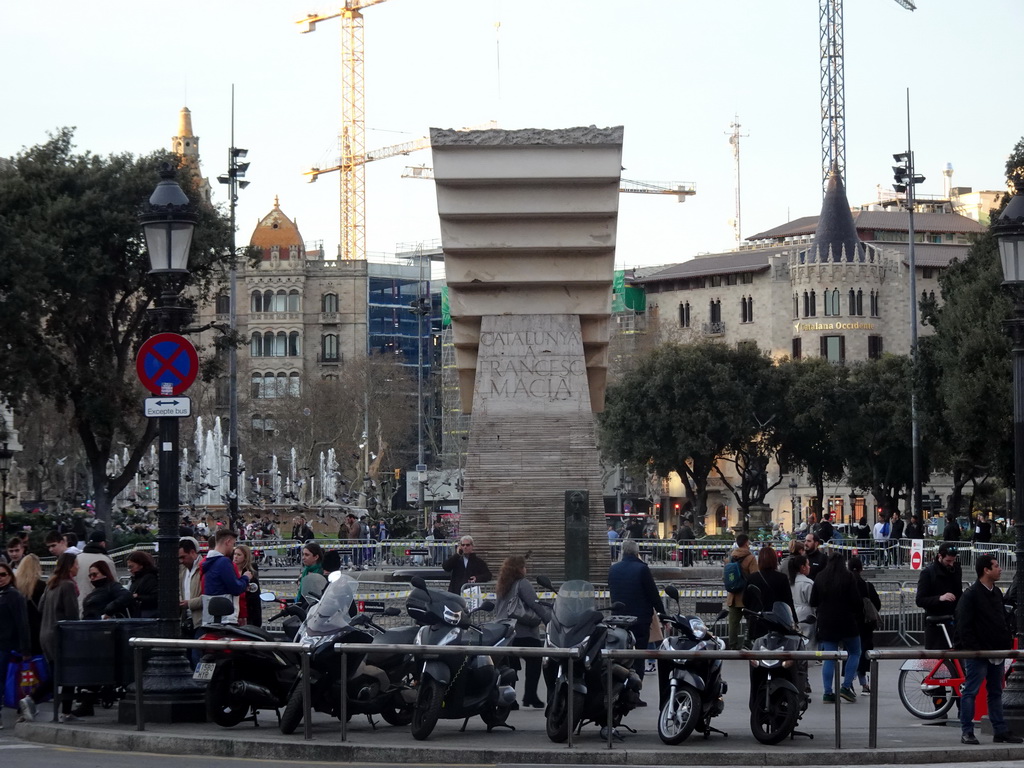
[528,229]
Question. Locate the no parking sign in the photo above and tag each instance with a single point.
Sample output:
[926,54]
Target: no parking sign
[167,364]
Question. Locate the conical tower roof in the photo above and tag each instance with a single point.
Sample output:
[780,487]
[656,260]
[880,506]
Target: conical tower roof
[276,229]
[836,236]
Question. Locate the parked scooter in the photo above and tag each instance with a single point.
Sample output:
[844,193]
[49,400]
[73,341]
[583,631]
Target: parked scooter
[457,687]
[576,623]
[691,690]
[778,697]
[240,682]
[376,683]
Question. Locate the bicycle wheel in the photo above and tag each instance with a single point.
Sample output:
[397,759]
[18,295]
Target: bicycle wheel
[927,702]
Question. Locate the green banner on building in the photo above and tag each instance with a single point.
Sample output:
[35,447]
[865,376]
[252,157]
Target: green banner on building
[446,313]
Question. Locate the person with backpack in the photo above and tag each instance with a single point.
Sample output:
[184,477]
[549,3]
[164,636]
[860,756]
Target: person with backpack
[740,565]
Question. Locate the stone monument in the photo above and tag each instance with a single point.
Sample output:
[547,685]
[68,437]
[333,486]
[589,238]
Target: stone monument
[528,224]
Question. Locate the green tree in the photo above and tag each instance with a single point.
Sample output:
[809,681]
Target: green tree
[679,409]
[815,393]
[75,292]
[966,363]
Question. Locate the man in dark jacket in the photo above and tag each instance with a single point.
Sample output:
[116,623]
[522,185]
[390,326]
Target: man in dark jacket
[219,578]
[465,566]
[816,558]
[981,626]
[952,530]
[938,592]
[914,528]
[631,582]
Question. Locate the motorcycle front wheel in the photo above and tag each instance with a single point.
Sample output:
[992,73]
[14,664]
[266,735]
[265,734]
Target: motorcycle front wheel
[292,715]
[773,717]
[221,706]
[679,716]
[557,721]
[923,701]
[427,709]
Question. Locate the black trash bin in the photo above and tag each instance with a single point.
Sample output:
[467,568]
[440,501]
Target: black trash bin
[87,653]
[124,661]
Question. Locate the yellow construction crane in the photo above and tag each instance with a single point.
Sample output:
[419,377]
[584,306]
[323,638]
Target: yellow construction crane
[681,189]
[353,124]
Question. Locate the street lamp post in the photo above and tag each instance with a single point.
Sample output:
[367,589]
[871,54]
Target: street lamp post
[1009,230]
[793,503]
[6,455]
[168,224]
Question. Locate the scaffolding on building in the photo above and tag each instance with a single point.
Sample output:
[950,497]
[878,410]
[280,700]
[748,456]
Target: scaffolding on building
[454,423]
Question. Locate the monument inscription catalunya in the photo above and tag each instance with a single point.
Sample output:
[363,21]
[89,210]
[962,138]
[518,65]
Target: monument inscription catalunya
[528,230]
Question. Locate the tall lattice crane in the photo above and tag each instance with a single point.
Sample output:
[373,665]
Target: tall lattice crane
[353,124]
[833,88]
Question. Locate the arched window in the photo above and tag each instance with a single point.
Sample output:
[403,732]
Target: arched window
[282,385]
[831,299]
[860,302]
[749,304]
[257,386]
[329,348]
[281,301]
[329,302]
[807,304]
[814,304]
[684,315]
[256,302]
[715,311]
[294,348]
[293,300]
[853,303]
[293,384]
[257,423]
[223,304]
[268,344]
[280,344]
[256,345]
[796,305]
[268,301]
[269,385]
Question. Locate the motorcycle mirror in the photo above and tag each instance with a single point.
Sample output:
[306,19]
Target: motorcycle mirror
[545,582]
[419,582]
[267,597]
[486,605]
[672,592]
[618,606]
[722,615]
[810,619]
[392,611]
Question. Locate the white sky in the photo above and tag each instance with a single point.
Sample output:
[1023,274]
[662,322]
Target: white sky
[673,72]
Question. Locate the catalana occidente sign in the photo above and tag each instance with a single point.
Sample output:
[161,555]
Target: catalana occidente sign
[833,327]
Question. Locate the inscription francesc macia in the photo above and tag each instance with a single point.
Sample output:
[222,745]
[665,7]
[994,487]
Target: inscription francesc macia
[526,363]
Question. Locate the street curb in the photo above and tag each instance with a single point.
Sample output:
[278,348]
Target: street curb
[692,753]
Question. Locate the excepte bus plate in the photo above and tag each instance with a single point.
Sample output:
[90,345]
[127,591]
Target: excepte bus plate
[158,407]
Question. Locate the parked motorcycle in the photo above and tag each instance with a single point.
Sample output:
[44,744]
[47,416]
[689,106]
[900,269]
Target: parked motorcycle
[692,690]
[376,683]
[576,623]
[778,697]
[457,687]
[242,682]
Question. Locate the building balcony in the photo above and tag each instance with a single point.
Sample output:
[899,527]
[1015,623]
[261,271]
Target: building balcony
[713,329]
[274,317]
[330,359]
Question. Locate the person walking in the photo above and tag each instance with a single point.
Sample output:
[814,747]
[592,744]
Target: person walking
[816,556]
[981,626]
[59,603]
[631,582]
[518,600]
[867,626]
[465,566]
[14,630]
[800,585]
[734,600]
[838,604]
[144,585]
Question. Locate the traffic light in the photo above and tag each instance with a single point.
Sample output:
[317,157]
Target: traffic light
[904,174]
[398,474]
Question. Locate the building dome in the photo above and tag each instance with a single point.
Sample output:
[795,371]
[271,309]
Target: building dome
[276,232]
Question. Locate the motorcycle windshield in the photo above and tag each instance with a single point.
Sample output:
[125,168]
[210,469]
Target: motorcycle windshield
[780,616]
[574,606]
[335,609]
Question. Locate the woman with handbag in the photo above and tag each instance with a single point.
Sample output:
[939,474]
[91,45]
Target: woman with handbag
[108,599]
[518,600]
[14,632]
[59,603]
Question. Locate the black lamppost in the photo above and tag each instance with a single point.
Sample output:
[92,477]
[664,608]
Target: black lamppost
[6,456]
[1009,230]
[794,502]
[168,224]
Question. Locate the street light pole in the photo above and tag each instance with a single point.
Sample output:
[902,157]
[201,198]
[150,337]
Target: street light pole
[1009,230]
[793,502]
[6,455]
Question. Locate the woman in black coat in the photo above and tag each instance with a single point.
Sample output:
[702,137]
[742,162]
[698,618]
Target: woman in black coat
[839,610]
[108,599]
[14,634]
[867,628]
[767,586]
[144,586]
